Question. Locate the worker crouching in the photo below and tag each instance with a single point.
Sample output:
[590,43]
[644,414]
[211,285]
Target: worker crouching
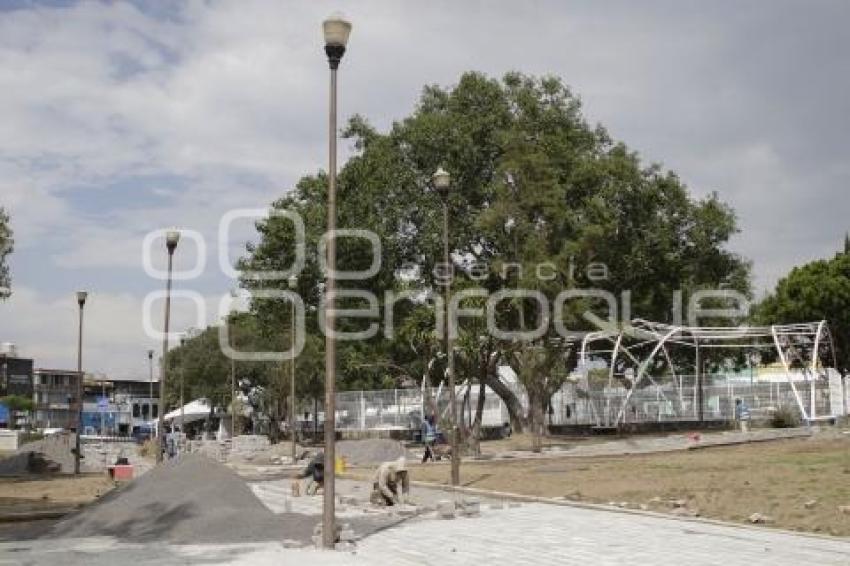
[315,474]
[391,484]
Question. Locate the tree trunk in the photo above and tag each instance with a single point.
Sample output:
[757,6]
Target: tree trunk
[428,404]
[274,423]
[515,411]
[537,423]
[475,438]
[315,420]
[464,429]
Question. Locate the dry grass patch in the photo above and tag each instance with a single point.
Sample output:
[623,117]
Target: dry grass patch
[798,483]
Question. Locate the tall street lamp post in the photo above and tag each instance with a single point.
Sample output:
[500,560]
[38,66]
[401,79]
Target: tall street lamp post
[336,31]
[293,282]
[81,301]
[171,239]
[442,182]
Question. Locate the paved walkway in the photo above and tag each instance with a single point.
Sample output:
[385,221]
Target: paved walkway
[547,534]
[654,444]
[528,534]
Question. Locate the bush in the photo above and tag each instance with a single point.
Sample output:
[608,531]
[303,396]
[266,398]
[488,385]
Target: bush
[148,449]
[17,403]
[784,417]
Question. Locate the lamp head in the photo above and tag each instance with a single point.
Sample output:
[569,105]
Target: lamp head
[171,239]
[336,31]
[150,354]
[81,297]
[442,181]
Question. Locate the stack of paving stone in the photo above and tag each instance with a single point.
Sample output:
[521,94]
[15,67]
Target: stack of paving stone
[247,446]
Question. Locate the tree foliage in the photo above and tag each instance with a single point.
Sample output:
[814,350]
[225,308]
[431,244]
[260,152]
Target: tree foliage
[17,403]
[819,290]
[6,248]
[532,183]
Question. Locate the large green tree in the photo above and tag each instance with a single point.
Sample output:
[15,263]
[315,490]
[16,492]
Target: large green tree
[819,290]
[533,183]
[206,372]
[6,247]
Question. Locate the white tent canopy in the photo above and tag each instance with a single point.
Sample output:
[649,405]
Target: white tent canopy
[196,410]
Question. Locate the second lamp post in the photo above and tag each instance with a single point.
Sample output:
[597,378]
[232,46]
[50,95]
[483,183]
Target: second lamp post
[442,182]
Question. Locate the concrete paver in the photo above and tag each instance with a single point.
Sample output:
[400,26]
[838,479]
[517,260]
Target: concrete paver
[529,534]
[544,534]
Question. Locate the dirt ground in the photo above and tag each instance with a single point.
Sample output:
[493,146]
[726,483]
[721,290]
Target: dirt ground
[779,479]
[51,490]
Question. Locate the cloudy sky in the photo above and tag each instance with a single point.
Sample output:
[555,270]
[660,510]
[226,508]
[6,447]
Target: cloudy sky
[117,119]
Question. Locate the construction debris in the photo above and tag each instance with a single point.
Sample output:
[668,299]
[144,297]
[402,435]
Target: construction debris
[446,509]
[470,507]
[759,519]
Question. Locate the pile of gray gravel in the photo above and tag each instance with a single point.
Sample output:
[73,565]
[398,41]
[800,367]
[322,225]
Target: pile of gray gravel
[192,500]
[370,450]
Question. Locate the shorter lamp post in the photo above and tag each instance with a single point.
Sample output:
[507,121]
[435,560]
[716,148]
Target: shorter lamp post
[81,301]
[171,239]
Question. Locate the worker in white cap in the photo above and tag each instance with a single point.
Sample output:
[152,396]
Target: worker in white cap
[391,485]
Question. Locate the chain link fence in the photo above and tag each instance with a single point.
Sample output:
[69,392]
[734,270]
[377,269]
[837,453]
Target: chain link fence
[680,399]
[574,405]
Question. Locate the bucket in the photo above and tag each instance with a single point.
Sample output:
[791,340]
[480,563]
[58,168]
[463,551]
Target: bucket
[339,466]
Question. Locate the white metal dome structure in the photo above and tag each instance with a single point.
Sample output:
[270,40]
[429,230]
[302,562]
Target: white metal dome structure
[670,359]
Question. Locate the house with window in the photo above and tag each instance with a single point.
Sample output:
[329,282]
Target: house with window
[56,398]
[119,406]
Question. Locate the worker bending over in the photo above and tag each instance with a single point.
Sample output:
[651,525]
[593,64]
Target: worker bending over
[391,484]
[315,471]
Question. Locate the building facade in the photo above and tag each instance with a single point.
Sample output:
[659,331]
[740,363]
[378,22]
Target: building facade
[15,376]
[119,407]
[15,379]
[55,398]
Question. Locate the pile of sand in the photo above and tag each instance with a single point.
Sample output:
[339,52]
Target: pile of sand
[191,500]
